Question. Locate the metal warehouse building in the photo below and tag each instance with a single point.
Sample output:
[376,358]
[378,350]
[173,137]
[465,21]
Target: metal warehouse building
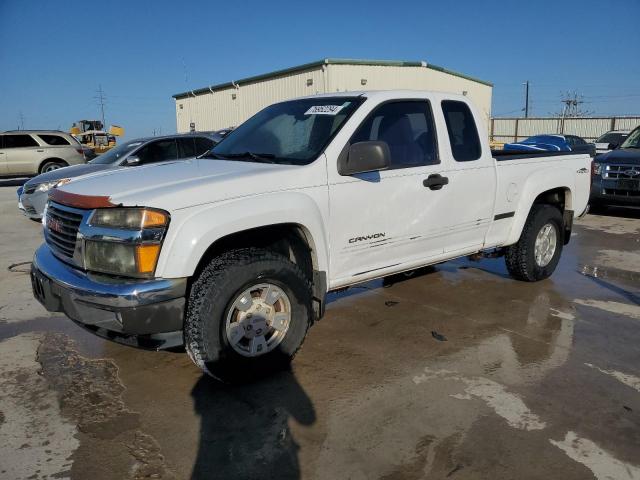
[229,104]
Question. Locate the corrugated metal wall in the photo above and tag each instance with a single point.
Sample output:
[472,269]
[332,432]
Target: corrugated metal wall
[218,109]
[378,77]
[514,129]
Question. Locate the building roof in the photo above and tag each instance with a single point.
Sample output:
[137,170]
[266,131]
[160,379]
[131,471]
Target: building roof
[325,61]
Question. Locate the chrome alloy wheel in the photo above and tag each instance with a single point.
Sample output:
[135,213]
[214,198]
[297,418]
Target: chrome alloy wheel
[258,320]
[545,245]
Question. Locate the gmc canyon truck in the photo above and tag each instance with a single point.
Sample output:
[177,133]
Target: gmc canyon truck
[231,254]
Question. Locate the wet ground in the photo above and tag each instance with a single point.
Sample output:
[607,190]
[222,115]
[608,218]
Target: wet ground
[458,372]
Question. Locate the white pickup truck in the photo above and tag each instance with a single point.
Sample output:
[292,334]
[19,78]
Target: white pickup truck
[232,254]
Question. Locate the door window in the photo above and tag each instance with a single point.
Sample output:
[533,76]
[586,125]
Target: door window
[54,140]
[407,128]
[463,134]
[187,147]
[19,141]
[203,145]
[158,151]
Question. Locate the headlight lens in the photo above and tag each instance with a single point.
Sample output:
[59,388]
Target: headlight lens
[121,258]
[597,168]
[129,218]
[120,251]
[46,186]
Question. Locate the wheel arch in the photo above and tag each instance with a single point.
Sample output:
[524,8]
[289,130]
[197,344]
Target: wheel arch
[52,159]
[558,196]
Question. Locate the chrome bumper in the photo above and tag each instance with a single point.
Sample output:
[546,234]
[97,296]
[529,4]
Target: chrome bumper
[142,313]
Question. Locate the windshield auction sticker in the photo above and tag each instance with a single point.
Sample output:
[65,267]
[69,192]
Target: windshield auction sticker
[324,110]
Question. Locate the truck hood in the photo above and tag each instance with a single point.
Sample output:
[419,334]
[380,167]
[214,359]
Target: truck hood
[184,183]
[628,156]
[68,172]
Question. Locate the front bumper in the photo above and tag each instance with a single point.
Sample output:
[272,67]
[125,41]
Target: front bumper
[608,192]
[141,313]
[33,204]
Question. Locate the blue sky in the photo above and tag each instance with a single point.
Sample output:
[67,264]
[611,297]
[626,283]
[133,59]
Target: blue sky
[54,54]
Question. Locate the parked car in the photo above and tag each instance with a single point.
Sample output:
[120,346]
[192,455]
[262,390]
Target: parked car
[135,152]
[232,254]
[30,152]
[611,140]
[616,174]
[552,143]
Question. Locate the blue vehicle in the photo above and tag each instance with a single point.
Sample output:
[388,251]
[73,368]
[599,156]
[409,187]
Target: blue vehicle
[552,143]
[546,143]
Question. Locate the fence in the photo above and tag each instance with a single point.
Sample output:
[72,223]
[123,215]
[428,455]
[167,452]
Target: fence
[504,130]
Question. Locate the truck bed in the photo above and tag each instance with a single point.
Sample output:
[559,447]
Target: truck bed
[502,155]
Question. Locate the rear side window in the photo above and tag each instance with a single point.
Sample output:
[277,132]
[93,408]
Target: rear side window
[54,140]
[463,134]
[19,141]
[158,151]
[187,147]
[203,145]
[407,128]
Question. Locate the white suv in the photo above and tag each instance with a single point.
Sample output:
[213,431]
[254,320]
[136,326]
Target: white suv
[31,152]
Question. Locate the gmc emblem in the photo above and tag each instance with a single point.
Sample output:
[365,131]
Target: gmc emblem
[55,225]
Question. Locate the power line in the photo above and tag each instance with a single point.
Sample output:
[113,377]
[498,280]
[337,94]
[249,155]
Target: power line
[101,101]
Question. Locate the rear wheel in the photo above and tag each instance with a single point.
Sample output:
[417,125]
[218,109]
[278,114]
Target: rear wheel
[537,253]
[51,165]
[247,315]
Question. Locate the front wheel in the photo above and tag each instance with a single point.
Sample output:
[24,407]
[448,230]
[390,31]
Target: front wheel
[248,313]
[537,253]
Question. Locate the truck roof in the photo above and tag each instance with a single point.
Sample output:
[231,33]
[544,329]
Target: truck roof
[385,94]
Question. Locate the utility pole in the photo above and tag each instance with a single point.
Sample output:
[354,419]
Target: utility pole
[21,121]
[526,99]
[101,99]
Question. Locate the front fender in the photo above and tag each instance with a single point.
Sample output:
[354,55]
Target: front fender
[193,230]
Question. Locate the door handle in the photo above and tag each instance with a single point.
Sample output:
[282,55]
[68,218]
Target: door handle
[435,181]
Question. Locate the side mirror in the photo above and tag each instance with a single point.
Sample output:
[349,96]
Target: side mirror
[364,157]
[132,160]
[612,146]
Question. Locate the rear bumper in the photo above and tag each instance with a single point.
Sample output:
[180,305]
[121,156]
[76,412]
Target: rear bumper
[140,313]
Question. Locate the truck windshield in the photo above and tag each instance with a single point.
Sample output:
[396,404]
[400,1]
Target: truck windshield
[293,132]
[633,140]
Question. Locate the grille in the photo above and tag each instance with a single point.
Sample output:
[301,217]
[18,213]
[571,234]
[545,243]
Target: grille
[62,229]
[621,193]
[618,171]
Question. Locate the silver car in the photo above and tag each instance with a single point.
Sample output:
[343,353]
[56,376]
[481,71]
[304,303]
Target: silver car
[32,196]
[30,152]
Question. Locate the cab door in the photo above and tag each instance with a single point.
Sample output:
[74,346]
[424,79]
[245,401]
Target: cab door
[389,218]
[471,187]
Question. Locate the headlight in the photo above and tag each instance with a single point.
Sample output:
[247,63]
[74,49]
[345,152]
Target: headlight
[46,186]
[597,168]
[121,258]
[128,218]
[131,247]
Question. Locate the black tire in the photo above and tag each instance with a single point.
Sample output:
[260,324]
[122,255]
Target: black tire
[211,296]
[520,257]
[51,165]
